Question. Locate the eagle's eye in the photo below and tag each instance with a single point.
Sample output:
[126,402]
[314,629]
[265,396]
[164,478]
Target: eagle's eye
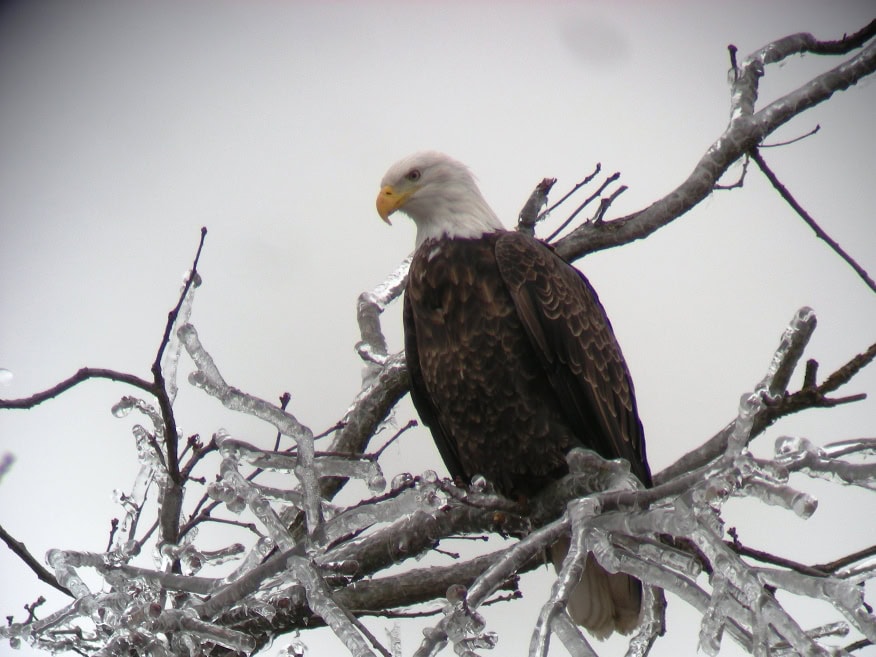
[413,175]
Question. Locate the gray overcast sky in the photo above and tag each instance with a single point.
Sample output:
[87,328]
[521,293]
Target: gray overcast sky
[125,127]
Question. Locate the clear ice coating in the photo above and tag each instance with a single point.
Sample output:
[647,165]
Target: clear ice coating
[865,447]
[170,357]
[402,480]
[253,558]
[319,598]
[462,624]
[63,563]
[749,405]
[372,347]
[423,497]
[174,610]
[173,620]
[801,454]
[123,406]
[234,488]
[297,648]
[365,469]
[712,624]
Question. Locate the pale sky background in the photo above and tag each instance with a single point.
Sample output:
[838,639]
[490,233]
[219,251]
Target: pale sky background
[125,127]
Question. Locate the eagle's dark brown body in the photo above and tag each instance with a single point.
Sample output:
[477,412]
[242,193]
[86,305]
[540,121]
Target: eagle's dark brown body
[512,359]
[513,362]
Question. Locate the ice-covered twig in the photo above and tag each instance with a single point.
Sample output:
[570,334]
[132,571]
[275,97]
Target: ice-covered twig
[409,536]
[326,465]
[424,497]
[384,379]
[846,595]
[493,578]
[233,487]
[802,455]
[580,513]
[863,446]
[370,408]
[652,624]
[210,380]
[170,357]
[572,638]
[372,345]
[198,631]
[321,601]
[791,346]
[736,587]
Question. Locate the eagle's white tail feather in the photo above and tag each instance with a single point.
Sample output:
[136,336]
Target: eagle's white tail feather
[602,602]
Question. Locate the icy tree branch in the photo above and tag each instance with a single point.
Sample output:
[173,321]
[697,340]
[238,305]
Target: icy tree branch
[286,574]
[670,536]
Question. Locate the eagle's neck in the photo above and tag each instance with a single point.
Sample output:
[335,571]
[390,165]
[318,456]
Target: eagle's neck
[460,213]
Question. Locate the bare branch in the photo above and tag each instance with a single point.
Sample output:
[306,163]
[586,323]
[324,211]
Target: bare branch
[746,131]
[81,375]
[19,549]
[610,179]
[819,232]
[530,214]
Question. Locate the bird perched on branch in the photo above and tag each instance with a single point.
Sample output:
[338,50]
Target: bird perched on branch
[512,359]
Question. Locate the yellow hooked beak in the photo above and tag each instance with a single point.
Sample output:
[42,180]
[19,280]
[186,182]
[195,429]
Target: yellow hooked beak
[389,200]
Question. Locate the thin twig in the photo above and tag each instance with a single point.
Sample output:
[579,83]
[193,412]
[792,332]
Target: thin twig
[605,204]
[845,373]
[170,432]
[236,523]
[24,554]
[574,189]
[857,645]
[766,557]
[785,194]
[586,202]
[173,314]
[734,66]
[31,608]
[337,426]
[171,509]
[410,425]
[84,374]
[740,181]
[114,526]
[842,562]
[794,140]
[847,43]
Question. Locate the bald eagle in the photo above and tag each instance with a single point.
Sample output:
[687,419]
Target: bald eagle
[512,359]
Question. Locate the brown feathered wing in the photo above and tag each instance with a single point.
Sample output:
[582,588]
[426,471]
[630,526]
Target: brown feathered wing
[509,379]
[573,337]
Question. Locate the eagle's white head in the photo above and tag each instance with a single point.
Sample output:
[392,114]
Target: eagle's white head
[439,194]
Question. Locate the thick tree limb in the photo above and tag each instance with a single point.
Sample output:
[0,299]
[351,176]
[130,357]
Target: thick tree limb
[746,131]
